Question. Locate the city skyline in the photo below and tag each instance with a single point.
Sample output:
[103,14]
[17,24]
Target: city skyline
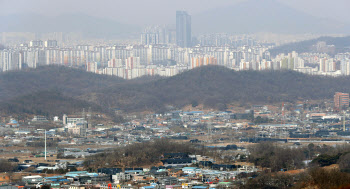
[168,59]
[134,15]
[313,7]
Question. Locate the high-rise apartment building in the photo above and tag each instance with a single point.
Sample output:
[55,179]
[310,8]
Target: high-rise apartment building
[202,61]
[183,29]
[341,100]
[149,38]
[51,43]
[36,43]
[345,67]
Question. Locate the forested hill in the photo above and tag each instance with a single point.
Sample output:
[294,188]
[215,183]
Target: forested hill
[50,90]
[69,81]
[342,44]
[213,86]
[48,103]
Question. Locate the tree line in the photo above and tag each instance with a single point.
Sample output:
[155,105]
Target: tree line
[141,154]
[212,86]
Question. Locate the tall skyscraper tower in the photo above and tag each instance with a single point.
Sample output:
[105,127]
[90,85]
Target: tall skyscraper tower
[183,29]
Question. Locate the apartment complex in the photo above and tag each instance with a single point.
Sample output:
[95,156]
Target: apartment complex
[341,100]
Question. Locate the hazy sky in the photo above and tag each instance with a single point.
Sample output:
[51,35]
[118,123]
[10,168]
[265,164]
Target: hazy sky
[144,12]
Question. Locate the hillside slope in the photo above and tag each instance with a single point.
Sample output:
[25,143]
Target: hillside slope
[253,16]
[71,82]
[47,103]
[216,86]
[213,86]
[342,44]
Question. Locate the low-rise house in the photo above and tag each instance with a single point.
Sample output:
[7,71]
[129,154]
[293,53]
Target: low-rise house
[152,186]
[8,187]
[76,187]
[28,161]
[100,179]
[32,179]
[120,177]
[143,179]
[173,187]
[223,167]
[200,187]
[191,170]
[116,186]
[13,160]
[134,172]
[39,118]
[175,172]
[247,169]
[80,177]
[178,162]
[169,181]
[57,179]
[224,184]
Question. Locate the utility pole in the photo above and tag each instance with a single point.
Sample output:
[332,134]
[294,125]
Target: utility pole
[45,144]
[45,140]
[89,118]
[283,120]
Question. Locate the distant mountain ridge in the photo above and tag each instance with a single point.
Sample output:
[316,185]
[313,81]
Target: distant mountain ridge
[86,24]
[253,16]
[249,16]
[212,86]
